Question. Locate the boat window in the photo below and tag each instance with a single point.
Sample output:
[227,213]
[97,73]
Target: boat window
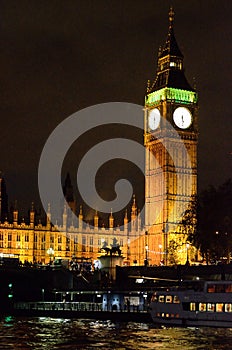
[211,288]
[220,288]
[176,300]
[192,306]
[161,298]
[154,298]
[219,307]
[228,307]
[211,307]
[202,307]
[168,298]
[228,288]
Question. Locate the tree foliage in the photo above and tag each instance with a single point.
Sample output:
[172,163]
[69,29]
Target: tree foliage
[208,222]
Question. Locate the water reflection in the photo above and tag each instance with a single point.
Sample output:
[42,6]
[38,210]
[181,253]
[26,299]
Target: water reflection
[54,333]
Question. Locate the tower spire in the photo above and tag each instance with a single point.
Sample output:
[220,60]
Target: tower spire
[80,218]
[170,72]
[49,216]
[111,220]
[15,214]
[32,215]
[96,219]
[171,47]
[133,215]
[134,207]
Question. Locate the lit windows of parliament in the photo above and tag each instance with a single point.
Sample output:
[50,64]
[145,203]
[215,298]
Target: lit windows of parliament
[169,184]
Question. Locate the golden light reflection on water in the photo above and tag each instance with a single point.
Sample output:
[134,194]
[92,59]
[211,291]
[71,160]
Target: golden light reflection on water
[50,333]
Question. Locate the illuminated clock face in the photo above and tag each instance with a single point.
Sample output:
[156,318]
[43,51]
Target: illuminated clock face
[154,118]
[182,117]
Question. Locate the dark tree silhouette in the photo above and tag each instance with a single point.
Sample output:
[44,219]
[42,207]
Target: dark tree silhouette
[208,222]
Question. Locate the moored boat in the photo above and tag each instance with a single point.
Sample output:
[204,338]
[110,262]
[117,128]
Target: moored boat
[193,303]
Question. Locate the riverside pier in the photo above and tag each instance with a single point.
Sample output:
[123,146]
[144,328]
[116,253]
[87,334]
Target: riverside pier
[80,310]
[118,293]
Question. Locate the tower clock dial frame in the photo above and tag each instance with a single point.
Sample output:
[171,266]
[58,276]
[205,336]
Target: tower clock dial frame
[182,117]
[154,118]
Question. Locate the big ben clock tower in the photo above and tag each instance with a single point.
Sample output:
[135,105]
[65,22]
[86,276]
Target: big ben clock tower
[171,154]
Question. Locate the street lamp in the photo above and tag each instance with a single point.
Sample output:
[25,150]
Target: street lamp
[146,249]
[187,258]
[146,255]
[160,247]
[42,294]
[50,252]
[217,250]
[128,251]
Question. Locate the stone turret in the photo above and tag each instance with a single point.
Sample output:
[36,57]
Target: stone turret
[32,215]
[111,221]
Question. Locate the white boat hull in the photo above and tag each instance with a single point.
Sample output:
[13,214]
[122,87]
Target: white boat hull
[210,307]
[189,322]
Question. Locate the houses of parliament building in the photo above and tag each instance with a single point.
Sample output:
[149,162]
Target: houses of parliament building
[37,242]
[170,130]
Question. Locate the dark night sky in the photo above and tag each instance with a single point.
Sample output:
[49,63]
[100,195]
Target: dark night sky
[60,56]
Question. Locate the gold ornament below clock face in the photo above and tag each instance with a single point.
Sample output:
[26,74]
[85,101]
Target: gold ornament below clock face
[154,119]
[182,117]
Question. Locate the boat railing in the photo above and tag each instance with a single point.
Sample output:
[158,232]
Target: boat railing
[59,306]
[70,306]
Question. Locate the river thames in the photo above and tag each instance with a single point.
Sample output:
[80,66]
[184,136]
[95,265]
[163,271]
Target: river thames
[39,333]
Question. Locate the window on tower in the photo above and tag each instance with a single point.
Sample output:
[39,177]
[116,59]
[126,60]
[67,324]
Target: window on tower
[177,64]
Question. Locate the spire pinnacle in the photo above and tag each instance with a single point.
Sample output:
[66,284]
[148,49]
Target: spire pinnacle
[171,17]
[111,219]
[134,203]
[171,46]
[96,219]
